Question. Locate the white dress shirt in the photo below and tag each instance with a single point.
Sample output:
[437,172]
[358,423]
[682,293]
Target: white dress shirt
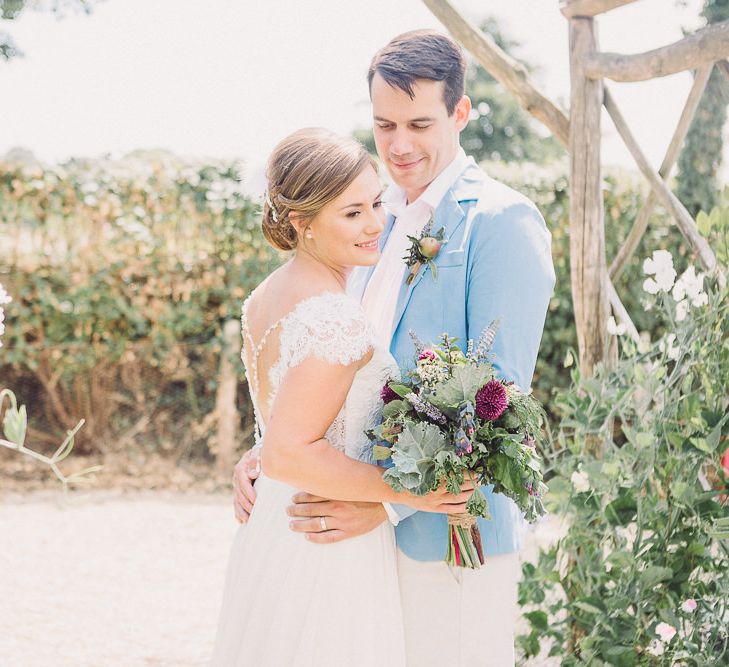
[380,297]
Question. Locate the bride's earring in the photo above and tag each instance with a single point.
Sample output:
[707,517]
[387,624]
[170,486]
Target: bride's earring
[309,235]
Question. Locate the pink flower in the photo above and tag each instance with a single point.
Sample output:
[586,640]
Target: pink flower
[426,354]
[689,606]
[388,395]
[491,400]
[665,631]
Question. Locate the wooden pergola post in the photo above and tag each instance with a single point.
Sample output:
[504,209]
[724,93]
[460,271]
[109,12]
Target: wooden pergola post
[593,291]
[587,229]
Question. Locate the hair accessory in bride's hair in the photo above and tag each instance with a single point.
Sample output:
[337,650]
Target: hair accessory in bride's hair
[274,215]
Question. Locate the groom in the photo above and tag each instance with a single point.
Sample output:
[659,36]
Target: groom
[496,263]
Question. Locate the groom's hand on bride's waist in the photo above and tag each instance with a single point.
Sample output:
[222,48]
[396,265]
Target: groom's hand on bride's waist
[244,475]
[341,520]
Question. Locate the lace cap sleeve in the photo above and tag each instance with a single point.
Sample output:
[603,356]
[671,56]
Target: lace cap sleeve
[331,327]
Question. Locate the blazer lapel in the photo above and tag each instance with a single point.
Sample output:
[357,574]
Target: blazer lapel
[448,215]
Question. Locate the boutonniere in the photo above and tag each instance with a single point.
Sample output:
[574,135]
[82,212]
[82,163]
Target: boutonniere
[423,250]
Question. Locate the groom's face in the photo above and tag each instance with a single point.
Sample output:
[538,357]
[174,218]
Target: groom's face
[416,138]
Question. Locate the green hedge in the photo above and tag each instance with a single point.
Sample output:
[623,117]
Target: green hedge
[123,272]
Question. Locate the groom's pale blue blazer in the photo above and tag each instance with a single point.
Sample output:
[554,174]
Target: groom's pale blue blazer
[497,263]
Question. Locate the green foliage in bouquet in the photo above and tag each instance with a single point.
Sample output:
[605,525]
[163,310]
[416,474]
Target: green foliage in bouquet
[640,577]
[450,420]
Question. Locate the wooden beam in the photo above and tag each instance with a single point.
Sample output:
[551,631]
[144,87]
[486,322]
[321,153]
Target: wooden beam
[723,66]
[702,47]
[683,218]
[620,312]
[587,232]
[572,8]
[509,72]
[225,400]
[641,221]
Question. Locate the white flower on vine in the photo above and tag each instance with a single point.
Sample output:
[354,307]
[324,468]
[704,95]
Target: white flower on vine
[580,481]
[615,329]
[691,286]
[627,533]
[655,648]
[682,308]
[665,631]
[645,342]
[4,298]
[689,289]
[660,267]
[667,345]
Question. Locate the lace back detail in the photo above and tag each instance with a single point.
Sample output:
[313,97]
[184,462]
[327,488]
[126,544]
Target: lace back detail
[329,326]
[252,372]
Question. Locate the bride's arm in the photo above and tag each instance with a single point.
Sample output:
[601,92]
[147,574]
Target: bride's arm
[296,452]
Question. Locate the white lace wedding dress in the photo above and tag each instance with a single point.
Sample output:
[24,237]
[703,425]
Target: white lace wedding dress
[288,601]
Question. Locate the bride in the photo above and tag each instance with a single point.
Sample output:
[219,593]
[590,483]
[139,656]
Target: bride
[315,375]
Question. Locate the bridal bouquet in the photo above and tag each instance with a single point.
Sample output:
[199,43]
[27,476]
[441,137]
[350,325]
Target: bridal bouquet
[450,420]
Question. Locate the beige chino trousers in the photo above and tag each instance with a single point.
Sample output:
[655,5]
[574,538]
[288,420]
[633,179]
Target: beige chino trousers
[465,619]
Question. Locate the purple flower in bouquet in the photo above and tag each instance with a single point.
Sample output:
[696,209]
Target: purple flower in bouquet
[426,355]
[491,400]
[427,409]
[466,416]
[462,443]
[388,395]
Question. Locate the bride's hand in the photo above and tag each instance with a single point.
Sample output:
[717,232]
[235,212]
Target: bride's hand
[441,500]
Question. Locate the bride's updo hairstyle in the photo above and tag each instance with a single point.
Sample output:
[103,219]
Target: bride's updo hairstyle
[306,171]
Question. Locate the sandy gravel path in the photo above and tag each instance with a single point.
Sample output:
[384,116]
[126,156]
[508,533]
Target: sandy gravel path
[105,579]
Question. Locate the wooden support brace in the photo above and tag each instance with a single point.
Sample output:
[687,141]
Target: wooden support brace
[723,66]
[683,218]
[621,313]
[702,47]
[572,8]
[641,221]
[509,72]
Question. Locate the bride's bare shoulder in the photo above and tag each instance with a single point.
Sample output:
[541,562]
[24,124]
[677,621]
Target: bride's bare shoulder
[282,291]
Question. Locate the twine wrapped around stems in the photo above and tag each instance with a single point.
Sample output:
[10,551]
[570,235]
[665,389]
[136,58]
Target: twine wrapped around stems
[464,541]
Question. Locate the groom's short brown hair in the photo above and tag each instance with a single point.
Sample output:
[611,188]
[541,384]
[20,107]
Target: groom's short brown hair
[422,54]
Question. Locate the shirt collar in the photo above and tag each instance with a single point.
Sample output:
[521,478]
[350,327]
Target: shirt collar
[396,200]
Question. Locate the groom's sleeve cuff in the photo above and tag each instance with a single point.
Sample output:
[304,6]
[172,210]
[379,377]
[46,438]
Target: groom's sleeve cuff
[391,514]
[396,513]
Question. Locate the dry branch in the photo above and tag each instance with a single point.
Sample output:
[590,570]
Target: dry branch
[641,222]
[702,47]
[683,219]
[509,72]
[572,8]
